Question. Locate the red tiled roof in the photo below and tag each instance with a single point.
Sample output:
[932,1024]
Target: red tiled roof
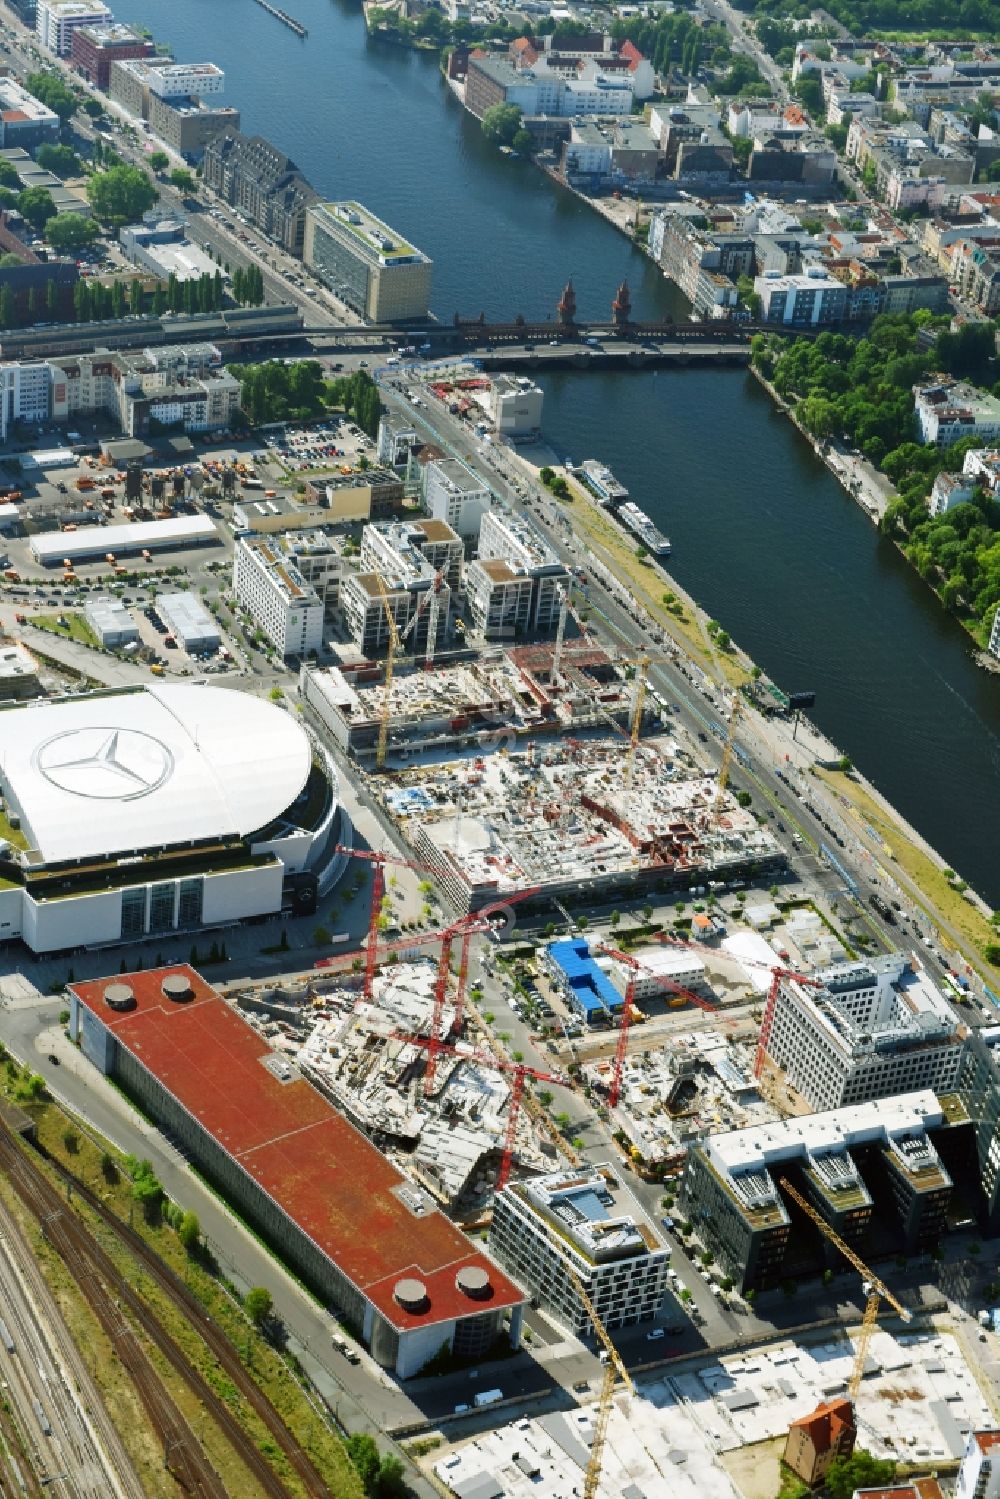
[827,1423]
[10,115]
[920,1488]
[987,1440]
[631,52]
[323,1173]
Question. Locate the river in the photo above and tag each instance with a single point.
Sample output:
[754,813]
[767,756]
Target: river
[763,535]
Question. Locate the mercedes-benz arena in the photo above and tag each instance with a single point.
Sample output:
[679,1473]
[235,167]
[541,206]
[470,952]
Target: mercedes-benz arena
[363,1236]
[155,810]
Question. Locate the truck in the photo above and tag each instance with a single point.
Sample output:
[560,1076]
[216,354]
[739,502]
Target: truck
[488,1397]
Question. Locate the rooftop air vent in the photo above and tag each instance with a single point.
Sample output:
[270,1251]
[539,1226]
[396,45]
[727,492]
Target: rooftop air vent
[177,987]
[119,997]
[411,1295]
[473,1281]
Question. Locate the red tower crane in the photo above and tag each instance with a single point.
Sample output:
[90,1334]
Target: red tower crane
[518,1072]
[635,967]
[378,858]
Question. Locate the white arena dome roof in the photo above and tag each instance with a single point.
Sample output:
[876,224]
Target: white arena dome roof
[122,772]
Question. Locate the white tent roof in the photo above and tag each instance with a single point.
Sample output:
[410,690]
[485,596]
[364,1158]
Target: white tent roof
[125,772]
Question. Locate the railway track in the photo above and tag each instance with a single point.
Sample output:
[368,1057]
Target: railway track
[213,1335]
[108,1292]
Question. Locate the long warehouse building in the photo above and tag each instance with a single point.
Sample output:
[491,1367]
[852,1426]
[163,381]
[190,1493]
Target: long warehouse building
[363,1236]
[50,548]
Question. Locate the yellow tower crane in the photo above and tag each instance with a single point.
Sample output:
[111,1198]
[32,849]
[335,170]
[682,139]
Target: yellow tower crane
[876,1289]
[614,1369]
[390,661]
[727,756]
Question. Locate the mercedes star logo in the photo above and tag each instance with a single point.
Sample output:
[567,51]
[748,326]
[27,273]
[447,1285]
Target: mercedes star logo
[104,763]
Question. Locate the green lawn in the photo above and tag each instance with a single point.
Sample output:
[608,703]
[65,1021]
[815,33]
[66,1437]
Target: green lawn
[76,628]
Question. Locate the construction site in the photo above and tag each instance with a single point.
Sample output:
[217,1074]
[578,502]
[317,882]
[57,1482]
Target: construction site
[449,1113]
[716,1428]
[467,703]
[570,821]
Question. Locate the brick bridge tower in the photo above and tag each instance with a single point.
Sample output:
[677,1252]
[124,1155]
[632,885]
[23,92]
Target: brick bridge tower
[621,307]
[567,305]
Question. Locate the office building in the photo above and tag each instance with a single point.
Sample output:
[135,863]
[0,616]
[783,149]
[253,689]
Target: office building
[165,251]
[281,602]
[187,619]
[396,436]
[806,299]
[515,585]
[515,405]
[95,48]
[979,1089]
[456,495]
[864,1030]
[979,1474]
[584,980]
[262,183]
[25,394]
[56,21]
[371,494]
[584,1223]
[367,1241]
[366,264]
[111,622]
[164,809]
[24,120]
[868,1169]
[178,101]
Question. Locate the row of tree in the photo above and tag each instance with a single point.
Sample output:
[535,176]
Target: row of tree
[861,391]
[248,285]
[914,17]
[357,394]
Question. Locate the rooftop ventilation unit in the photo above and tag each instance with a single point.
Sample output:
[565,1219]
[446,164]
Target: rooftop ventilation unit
[119,997]
[177,988]
[410,1294]
[473,1281]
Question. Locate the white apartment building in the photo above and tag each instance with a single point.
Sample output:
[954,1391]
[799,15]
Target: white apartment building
[186,79]
[587,1221]
[56,21]
[951,410]
[513,553]
[25,394]
[979,1475]
[454,494]
[396,437]
[864,1030]
[280,601]
[949,490]
[994,642]
[419,563]
[515,404]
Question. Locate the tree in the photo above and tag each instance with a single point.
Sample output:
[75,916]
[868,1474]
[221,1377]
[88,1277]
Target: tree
[363,1453]
[524,142]
[258,1304]
[159,161]
[121,195]
[860,1471]
[501,122]
[70,231]
[62,160]
[391,1482]
[189,1232]
[182,179]
[36,206]
[51,90]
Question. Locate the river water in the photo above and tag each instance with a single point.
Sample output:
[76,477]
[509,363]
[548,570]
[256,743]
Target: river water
[763,535]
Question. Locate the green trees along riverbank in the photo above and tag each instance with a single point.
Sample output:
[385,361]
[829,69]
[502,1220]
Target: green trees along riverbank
[860,391]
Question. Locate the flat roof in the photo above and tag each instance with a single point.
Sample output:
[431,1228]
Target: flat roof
[94,541]
[119,772]
[323,1173]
